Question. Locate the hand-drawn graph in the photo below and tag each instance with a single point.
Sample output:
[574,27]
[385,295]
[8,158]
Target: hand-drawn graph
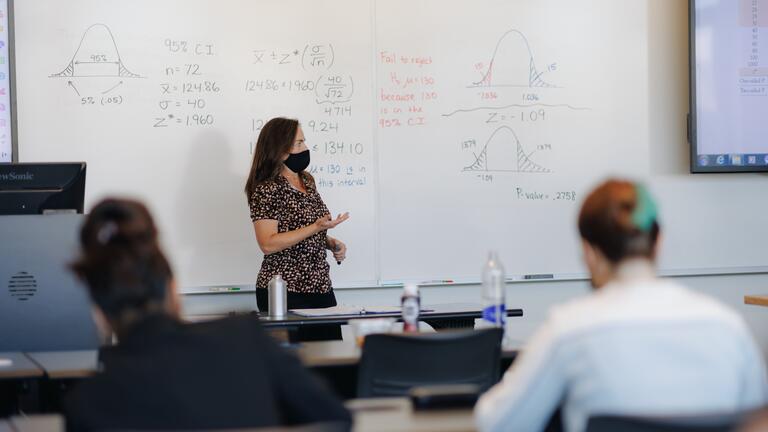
[503,152]
[96,56]
[512,65]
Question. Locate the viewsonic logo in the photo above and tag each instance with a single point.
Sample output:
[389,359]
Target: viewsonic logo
[14,176]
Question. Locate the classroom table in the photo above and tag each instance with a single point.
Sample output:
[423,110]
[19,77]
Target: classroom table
[63,369]
[757,300]
[37,423]
[397,415]
[82,364]
[333,361]
[67,364]
[22,367]
[323,354]
[370,415]
[439,316]
[19,383]
[336,362]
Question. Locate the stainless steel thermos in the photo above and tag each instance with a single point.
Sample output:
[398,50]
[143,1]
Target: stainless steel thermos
[278,297]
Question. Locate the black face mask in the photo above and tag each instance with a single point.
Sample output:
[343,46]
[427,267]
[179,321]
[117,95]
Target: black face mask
[297,162]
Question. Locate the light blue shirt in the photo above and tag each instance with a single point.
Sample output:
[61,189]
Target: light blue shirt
[638,346]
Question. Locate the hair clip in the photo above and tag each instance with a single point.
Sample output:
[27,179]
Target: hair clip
[645,213]
[106,232]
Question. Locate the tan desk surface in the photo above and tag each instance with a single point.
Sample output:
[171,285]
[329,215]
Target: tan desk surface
[370,415]
[396,415]
[328,353]
[347,353]
[67,364]
[82,364]
[38,423]
[758,300]
[21,367]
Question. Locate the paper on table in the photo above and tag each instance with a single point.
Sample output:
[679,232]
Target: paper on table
[346,310]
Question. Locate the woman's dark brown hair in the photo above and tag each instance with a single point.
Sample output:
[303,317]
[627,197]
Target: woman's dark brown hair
[121,262]
[619,218]
[275,140]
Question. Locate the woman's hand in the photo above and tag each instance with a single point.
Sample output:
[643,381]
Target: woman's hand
[326,223]
[338,248]
[271,241]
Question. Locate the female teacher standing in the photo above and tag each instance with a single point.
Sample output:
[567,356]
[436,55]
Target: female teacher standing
[290,219]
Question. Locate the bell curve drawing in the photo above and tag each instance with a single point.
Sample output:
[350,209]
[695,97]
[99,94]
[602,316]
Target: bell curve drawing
[96,56]
[503,152]
[512,64]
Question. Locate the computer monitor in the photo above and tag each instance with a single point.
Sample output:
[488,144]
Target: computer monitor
[42,188]
[43,306]
[728,86]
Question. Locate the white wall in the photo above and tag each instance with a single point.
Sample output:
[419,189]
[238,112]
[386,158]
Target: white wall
[668,48]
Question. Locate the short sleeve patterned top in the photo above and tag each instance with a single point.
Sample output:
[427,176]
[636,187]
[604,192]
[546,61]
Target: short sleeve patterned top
[303,266]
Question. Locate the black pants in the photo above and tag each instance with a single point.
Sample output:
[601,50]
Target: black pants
[296,300]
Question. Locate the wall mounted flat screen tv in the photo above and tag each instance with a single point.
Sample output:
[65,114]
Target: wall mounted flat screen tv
[728,125]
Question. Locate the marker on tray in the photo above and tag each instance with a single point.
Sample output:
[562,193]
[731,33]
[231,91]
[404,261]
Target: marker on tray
[224,289]
[538,276]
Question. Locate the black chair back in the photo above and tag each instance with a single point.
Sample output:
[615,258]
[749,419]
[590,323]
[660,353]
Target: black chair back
[391,365]
[703,423]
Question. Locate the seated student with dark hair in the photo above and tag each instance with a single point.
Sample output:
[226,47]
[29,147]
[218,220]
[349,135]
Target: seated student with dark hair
[639,345]
[164,374]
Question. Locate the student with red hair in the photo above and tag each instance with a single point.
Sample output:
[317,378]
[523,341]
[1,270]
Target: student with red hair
[638,345]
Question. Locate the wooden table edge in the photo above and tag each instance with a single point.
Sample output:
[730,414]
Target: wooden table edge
[757,300]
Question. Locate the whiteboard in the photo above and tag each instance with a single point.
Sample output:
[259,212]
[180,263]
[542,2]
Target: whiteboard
[445,128]
[164,101]
[527,120]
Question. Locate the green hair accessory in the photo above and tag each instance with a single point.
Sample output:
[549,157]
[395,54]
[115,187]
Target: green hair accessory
[645,211]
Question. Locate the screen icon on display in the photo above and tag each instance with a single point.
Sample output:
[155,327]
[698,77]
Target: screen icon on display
[720,160]
[736,160]
[752,160]
[704,160]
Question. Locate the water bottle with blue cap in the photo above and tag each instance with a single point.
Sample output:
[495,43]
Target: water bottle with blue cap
[494,305]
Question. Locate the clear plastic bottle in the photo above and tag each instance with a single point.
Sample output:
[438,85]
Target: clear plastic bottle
[493,299]
[411,305]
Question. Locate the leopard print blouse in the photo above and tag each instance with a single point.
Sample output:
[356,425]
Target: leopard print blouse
[303,266]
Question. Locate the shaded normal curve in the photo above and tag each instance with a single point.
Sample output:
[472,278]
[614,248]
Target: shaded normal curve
[516,69]
[97,56]
[515,159]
